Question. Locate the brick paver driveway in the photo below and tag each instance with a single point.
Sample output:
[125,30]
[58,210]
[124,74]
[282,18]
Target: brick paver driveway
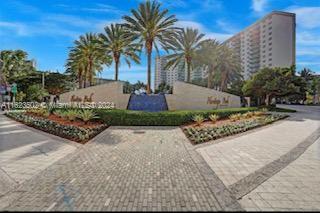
[275,167]
[24,152]
[132,168]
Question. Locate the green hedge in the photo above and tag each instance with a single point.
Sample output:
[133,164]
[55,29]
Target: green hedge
[166,118]
[278,109]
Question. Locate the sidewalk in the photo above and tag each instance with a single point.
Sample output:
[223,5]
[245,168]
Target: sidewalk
[24,152]
[237,159]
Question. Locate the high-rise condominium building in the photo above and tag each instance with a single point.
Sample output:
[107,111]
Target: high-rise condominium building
[270,42]
[170,75]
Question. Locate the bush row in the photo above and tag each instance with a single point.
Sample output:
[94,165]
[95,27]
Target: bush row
[71,132]
[166,118]
[204,134]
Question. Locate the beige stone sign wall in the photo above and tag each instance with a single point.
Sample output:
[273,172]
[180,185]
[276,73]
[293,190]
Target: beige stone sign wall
[109,92]
[192,97]
[185,97]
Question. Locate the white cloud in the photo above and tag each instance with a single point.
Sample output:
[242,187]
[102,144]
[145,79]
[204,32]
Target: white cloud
[16,27]
[208,34]
[259,5]
[307,17]
[226,26]
[212,4]
[103,8]
[308,38]
[37,28]
[308,52]
[190,24]
[68,19]
[308,63]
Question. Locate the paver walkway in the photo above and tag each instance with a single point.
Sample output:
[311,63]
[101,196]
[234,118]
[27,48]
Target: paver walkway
[134,168]
[156,168]
[237,159]
[24,152]
[297,187]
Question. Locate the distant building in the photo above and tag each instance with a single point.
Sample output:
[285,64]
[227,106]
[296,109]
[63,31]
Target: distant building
[171,75]
[270,42]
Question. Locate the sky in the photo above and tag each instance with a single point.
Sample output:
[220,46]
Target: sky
[46,29]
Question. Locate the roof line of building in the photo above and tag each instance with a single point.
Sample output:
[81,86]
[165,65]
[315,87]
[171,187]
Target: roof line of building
[260,20]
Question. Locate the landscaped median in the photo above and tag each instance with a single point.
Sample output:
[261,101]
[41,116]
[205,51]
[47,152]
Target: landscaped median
[75,130]
[201,131]
[81,125]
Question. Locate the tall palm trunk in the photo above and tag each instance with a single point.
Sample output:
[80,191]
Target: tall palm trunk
[188,73]
[210,74]
[85,79]
[90,77]
[80,77]
[188,61]
[149,53]
[223,84]
[116,66]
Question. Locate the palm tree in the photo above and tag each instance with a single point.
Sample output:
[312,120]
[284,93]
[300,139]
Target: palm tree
[207,57]
[116,42]
[86,58]
[185,45]
[229,66]
[150,25]
[14,63]
[75,66]
[306,74]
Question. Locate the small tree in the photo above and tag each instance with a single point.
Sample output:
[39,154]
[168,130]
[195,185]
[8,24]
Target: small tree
[271,82]
[163,87]
[36,93]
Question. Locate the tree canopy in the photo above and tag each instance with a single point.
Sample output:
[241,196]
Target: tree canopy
[271,82]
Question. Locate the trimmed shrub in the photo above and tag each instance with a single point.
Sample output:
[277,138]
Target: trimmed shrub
[214,118]
[87,115]
[198,119]
[235,117]
[71,132]
[71,115]
[118,117]
[248,114]
[200,135]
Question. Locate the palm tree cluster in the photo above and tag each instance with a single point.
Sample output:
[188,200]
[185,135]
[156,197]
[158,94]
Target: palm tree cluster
[149,28]
[14,64]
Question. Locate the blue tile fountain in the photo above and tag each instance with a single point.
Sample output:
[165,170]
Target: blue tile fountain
[149,103]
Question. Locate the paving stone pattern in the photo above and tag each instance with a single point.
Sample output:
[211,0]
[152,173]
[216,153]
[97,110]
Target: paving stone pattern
[295,188]
[126,169]
[250,182]
[25,152]
[238,157]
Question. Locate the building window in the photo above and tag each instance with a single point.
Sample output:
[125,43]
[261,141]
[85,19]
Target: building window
[270,43]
